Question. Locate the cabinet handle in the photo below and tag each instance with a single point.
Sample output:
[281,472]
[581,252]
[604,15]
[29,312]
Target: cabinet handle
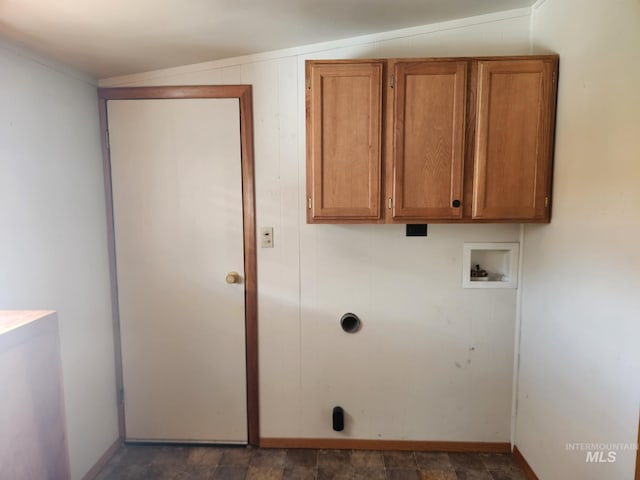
[389,203]
[456,203]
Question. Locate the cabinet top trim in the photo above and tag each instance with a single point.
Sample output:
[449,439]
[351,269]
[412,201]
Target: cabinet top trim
[552,57]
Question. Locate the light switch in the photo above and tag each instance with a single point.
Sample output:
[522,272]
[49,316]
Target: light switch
[266,234]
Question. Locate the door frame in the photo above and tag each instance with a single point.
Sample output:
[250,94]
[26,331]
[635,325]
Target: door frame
[244,94]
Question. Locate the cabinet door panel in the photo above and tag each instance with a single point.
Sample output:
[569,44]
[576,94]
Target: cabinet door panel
[344,140]
[513,139]
[428,152]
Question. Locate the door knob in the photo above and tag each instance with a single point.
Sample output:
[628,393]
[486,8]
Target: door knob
[232,277]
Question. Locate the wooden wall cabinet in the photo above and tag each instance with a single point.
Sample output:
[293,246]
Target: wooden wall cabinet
[512,161]
[429,103]
[344,141]
[430,140]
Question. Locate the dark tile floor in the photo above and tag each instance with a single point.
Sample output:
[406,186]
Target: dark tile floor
[218,463]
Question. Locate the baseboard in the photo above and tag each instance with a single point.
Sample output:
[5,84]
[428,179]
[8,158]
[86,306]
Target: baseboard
[528,471]
[103,460]
[400,445]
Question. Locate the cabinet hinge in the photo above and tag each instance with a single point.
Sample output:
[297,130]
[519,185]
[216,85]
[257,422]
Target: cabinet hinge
[308,84]
[553,77]
[392,82]
[390,203]
[106,139]
[309,203]
[546,201]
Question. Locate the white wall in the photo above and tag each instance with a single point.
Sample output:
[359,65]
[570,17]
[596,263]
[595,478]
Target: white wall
[53,247]
[580,357]
[433,361]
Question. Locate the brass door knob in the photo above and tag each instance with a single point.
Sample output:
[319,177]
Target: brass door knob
[232,277]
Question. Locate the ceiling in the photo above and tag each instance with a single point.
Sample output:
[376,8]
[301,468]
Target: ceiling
[115,37]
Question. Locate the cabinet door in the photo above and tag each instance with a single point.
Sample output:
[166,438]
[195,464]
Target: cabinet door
[428,140]
[344,108]
[512,168]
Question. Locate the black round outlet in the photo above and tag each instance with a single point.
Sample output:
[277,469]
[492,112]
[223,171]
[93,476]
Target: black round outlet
[350,323]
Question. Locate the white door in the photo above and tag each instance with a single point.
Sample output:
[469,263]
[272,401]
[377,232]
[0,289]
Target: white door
[177,201]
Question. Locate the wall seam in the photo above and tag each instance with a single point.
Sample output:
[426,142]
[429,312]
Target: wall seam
[303,213]
[517,340]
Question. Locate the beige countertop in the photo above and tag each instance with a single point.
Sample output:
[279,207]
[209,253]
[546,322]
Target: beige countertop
[12,319]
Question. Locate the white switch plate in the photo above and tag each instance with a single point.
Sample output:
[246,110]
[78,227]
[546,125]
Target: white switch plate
[266,236]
